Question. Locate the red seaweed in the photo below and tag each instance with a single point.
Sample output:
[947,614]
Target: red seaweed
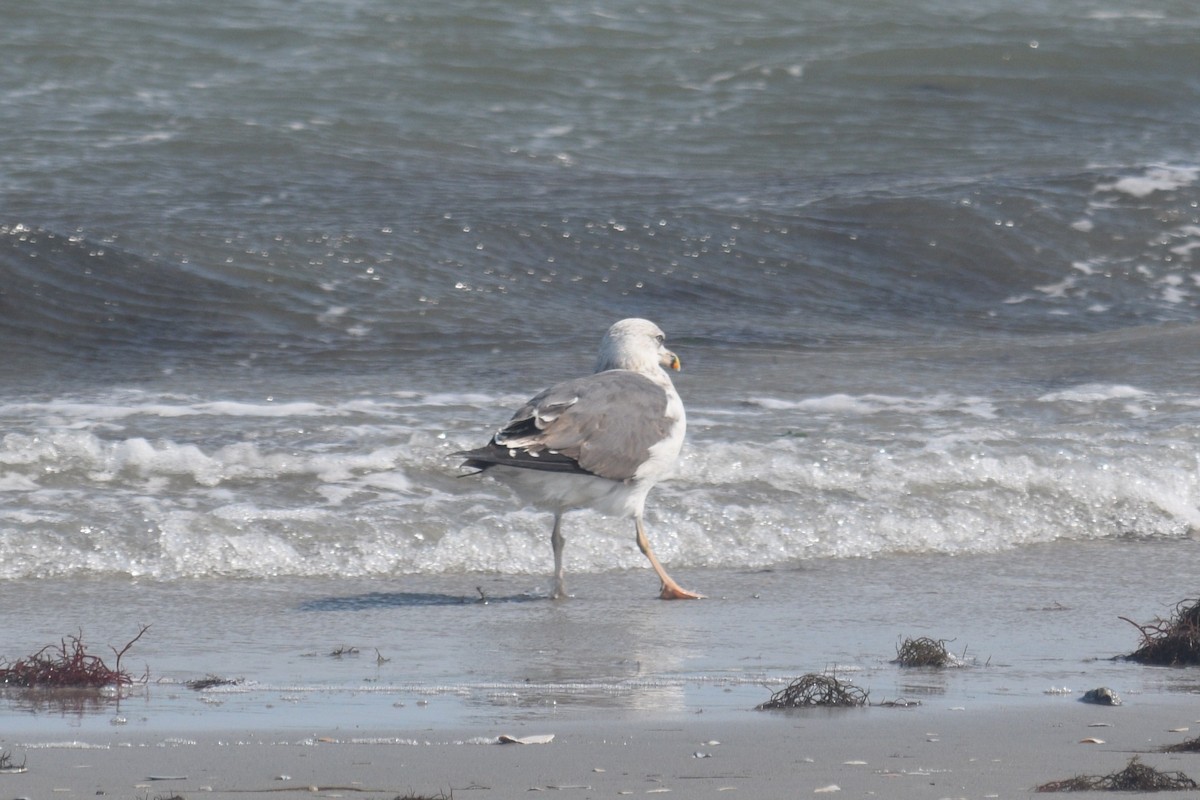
[67,665]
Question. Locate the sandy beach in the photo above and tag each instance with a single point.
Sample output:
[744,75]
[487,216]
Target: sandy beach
[916,752]
[640,696]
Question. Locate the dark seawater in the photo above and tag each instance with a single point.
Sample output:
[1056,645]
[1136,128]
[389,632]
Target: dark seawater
[264,266]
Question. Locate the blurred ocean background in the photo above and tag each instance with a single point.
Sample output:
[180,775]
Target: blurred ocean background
[931,268]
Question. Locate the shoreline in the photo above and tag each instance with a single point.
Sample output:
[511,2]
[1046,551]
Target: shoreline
[917,752]
[628,685]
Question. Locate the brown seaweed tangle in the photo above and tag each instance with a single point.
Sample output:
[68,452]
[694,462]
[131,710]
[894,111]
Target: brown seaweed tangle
[1186,746]
[924,652]
[1136,777]
[816,689]
[1170,642]
[7,765]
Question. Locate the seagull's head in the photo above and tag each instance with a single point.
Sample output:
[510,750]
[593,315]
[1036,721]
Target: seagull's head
[636,344]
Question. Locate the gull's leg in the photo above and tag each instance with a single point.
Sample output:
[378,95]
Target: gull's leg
[556,541]
[670,589]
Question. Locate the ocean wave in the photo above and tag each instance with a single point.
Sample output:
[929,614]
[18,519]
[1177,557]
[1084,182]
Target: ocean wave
[806,264]
[775,482]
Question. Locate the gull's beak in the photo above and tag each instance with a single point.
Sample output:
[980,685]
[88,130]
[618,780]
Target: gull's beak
[671,360]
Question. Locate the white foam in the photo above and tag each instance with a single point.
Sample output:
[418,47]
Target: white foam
[368,491]
[125,405]
[868,404]
[105,461]
[1094,393]
[1059,289]
[16,482]
[86,413]
[1192,234]
[1173,292]
[1108,15]
[1154,179]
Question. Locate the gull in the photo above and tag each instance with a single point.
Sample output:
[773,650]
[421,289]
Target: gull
[600,442]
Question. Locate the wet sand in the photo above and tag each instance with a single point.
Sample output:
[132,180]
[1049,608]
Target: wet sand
[641,696]
[915,752]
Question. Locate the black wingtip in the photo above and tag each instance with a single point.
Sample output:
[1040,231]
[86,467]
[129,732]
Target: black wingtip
[495,455]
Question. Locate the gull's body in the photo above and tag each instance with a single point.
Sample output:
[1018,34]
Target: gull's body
[601,441]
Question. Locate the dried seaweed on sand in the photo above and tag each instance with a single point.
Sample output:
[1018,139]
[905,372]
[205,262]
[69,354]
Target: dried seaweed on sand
[1186,746]
[924,652]
[210,681]
[816,689]
[1136,777]
[1172,642]
[7,766]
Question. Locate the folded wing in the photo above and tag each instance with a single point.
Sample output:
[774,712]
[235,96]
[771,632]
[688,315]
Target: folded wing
[602,424]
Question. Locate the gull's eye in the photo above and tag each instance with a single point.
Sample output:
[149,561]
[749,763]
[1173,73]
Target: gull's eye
[660,338]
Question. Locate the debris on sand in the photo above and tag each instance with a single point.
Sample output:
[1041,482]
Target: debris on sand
[1101,697]
[816,689]
[1186,746]
[924,652]
[7,767]
[68,665]
[540,738]
[210,681]
[899,702]
[1171,642]
[1136,777]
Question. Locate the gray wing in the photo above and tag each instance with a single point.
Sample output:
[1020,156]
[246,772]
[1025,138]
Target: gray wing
[603,424]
